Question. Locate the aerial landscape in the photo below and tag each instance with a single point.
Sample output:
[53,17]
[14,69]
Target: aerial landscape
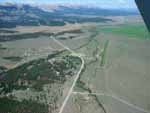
[73,57]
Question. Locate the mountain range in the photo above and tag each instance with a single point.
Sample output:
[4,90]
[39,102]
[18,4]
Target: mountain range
[12,15]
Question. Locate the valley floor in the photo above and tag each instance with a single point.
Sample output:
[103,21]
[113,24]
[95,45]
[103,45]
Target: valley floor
[100,68]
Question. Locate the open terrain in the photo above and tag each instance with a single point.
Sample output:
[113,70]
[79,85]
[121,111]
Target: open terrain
[86,61]
[125,65]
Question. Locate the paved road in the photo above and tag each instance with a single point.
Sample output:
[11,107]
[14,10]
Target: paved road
[77,76]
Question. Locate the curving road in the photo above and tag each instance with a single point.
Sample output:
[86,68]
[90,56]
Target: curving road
[77,76]
[86,93]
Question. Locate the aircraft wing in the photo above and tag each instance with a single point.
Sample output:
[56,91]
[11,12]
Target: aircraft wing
[144,7]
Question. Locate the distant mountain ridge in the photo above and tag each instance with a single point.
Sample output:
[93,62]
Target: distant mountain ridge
[12,15]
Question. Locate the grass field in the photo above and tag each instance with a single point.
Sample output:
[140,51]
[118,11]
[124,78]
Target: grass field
[125,74]
[130,30]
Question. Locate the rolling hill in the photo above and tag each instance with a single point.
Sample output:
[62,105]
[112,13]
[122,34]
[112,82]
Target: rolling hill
[13,15]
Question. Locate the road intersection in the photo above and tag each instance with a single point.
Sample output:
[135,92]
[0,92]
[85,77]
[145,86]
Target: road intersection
[81,56]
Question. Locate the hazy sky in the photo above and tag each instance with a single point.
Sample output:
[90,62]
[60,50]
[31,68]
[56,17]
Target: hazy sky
[101,3]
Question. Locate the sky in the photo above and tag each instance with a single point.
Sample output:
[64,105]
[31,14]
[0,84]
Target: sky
[100,3]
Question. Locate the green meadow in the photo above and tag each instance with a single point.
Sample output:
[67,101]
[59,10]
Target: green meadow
[130,30]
